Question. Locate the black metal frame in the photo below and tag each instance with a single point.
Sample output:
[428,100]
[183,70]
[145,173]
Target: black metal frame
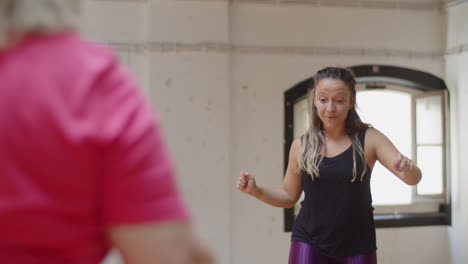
[378,73]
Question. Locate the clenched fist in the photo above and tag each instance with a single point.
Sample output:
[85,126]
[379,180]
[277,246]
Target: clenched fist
[246,183]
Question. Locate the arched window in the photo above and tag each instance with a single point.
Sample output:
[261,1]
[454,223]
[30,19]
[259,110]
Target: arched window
[411,108]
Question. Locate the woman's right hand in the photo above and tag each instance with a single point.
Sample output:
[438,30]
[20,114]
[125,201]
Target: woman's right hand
[246,183]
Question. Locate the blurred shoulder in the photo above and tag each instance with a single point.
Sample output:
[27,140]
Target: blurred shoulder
[66,53]
[92,54]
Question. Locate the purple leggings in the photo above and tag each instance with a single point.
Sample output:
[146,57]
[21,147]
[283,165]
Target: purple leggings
[302,253]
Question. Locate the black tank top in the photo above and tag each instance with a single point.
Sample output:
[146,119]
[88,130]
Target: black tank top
[336,216]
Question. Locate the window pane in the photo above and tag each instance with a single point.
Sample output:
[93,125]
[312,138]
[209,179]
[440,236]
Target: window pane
[301,117]
[389,112]
[429,120]
[387,189]
[430,163]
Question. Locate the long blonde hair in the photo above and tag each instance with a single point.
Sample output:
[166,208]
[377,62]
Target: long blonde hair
[313,140]
[19,18]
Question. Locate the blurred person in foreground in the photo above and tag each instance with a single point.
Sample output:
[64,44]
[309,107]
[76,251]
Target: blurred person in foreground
[83,164]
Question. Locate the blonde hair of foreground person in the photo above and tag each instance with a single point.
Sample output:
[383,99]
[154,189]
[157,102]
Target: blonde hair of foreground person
[168,242]
[22,17]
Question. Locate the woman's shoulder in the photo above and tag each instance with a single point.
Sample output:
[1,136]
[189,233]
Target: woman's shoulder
[372,131]
[373,136]
[296,146]
[297,142]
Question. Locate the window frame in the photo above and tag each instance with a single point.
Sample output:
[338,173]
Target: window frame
[426,210]
[443,94]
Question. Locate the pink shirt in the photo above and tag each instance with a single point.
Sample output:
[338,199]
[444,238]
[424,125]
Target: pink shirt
[80,149]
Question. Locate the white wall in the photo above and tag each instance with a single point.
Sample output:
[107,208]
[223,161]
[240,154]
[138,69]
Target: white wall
[192,91]
[457,81]
[217,73]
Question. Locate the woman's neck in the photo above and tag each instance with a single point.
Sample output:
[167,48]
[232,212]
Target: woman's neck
[336,133]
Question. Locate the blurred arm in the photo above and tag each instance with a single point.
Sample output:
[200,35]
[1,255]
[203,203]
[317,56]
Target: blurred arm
[165,243]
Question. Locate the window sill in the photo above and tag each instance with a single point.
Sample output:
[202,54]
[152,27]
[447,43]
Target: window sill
[416,219]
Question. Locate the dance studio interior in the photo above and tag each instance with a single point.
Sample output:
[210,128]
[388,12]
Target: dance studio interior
[229,79]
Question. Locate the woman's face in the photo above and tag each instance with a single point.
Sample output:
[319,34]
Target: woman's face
[333,101]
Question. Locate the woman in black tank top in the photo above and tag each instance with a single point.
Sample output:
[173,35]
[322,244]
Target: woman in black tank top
[332,163]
